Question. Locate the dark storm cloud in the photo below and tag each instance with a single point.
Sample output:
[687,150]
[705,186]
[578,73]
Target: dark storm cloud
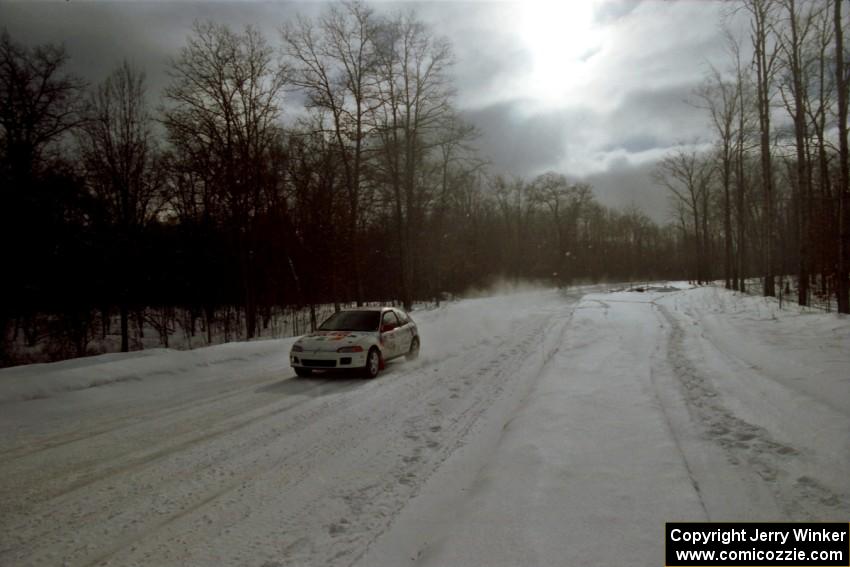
[99,35]
[645,122]
[626,185]
[527,145]
[610,128]
[650,118]
[656,100]
[522,144]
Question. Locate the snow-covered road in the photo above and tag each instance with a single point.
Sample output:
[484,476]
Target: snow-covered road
[543,428]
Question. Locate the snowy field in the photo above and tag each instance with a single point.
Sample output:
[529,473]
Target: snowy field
[541,428]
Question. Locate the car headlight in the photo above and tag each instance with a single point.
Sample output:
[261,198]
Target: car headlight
[297,348]
[350,349]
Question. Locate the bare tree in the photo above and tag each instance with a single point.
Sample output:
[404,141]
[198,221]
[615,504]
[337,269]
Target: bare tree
[457,163]
[38,104]
[721,99]
[118,148]
[639,233]
[793,40]
[744,120]
[515,207]
[565,203]
[118,153]
[764,59]
[314,172]
[687,176]
[334,65]
[822,212]
[841,80]
[222,118]
[414,94]
[552,191]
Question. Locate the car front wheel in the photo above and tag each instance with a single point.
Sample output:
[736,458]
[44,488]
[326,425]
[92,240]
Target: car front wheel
[303,372]
[373,363]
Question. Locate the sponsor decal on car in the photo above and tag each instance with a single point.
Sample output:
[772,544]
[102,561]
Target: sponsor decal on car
[331,335]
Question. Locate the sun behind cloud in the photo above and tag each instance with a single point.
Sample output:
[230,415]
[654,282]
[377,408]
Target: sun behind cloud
[562,38]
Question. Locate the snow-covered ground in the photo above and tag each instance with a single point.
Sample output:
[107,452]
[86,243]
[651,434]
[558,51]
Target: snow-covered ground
[542,428]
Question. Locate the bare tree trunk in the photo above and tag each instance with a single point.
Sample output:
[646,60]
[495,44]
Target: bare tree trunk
[843,288]
[793,49]
[720,98]
[729,274]
[742,239]
[740,175]
[125,326]
[759,9]
[209,316]
[819,211]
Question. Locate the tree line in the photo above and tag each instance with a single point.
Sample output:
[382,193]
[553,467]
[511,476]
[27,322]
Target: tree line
[205,205]
[770,198]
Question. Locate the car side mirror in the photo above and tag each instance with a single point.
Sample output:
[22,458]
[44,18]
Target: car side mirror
[386,327]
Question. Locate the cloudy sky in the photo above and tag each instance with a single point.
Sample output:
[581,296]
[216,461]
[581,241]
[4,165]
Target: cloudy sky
[596,89]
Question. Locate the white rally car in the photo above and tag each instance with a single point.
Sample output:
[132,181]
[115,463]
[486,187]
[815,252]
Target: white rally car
[363,339]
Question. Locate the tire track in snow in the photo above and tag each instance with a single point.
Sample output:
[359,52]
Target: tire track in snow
[332,518]
[747,446]
[86,465]
[58,477]
[200,488]
[91,497]
[38,443]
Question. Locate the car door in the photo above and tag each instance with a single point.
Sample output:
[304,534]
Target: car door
[390,334]
[405,332]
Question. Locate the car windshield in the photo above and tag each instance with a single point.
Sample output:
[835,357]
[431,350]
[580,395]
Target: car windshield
[352,321]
